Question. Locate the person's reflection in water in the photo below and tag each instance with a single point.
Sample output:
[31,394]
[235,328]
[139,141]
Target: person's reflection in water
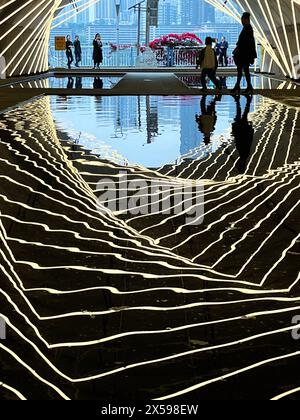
[98,83]
[70,84]
[243,133]
[78,84]
[208,118]
[223,81]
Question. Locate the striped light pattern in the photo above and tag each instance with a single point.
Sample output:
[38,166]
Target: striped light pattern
[104,307]
[277,27]
[25,27]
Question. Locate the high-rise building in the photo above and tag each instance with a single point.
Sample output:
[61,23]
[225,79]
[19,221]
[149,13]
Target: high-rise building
[84,17]
[168,13]
[222,17]
[105,10]
[195,12]
[208,13]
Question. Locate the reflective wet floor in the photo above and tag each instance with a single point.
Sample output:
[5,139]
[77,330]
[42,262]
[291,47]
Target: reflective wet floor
[139,303]
[109,81]
[228,82]
[71,82]
[157,131]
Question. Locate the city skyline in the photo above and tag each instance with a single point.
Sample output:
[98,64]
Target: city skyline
[174,16]
[177,12]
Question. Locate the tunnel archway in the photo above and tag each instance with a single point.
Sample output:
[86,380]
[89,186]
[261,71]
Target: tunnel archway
[25,30]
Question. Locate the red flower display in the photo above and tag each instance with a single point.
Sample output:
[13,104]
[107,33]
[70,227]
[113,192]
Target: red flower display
[175,40]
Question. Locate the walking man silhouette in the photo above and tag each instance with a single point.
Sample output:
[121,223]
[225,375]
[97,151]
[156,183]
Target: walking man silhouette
[245,55]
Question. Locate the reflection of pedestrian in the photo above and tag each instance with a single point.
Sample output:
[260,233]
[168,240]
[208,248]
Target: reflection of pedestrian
[223,60]
[69,53]
[97,53]
[70,84]
[243,133]
[208,62]
[223,81]
[78,84]
[208,118]
[98,83]
[245,54]
[77,51]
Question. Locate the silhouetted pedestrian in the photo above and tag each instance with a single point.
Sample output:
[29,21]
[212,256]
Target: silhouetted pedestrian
[216,45]
[77,51]
[97,54]
[208,62]
[223,59]
[245,54]
[69,53]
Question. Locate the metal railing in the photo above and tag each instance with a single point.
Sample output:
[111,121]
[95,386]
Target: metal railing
[182,56]
[122,58]
[165,57]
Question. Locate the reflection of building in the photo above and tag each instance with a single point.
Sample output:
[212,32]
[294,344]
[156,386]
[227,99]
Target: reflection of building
[152,118]
[189,136]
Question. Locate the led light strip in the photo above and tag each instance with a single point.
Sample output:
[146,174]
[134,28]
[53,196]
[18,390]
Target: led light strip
[29,140]
[13,391]
[263,23]
[286,394]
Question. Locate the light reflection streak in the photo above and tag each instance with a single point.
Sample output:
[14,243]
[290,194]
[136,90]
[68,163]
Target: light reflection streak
[32,142]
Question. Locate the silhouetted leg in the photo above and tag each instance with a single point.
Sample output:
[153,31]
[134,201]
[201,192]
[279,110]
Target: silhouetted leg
[69,57]
[213,78]
[248,76]
[240,76]
[221,60]
[203,79]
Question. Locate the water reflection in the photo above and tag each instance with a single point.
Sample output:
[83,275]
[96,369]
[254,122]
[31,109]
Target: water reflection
[243,133]
[154,131]
[228,82]
[242,128]
[224,83]
[98,83]
[78,84]
[208,118]
[70,83]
